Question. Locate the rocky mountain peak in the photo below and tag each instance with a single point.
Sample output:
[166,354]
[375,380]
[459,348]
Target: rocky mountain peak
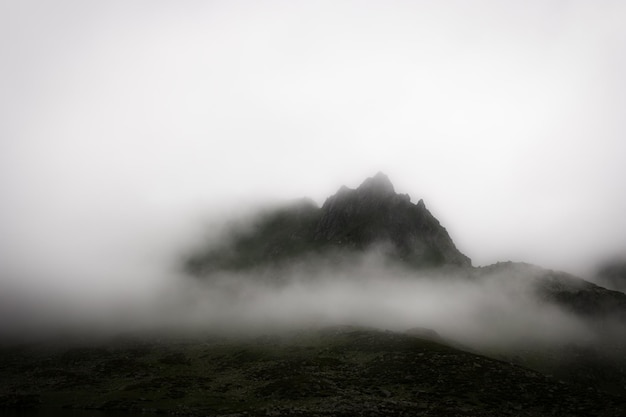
[351,220]
[378,185]
[374,213]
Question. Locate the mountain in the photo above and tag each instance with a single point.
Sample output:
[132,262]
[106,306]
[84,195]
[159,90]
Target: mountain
[372,216]
[347,370]
[576,295]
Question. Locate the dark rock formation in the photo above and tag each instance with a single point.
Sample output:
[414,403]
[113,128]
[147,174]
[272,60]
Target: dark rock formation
[352,220]
[375,214]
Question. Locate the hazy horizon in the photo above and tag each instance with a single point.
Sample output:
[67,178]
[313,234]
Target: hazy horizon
[130,129]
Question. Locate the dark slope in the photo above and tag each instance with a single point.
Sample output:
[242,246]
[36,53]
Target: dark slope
[282,234]
[583,298]
[339,371]
[352,220]
[599,361]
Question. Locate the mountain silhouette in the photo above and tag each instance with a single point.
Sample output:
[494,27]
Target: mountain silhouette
[372,216]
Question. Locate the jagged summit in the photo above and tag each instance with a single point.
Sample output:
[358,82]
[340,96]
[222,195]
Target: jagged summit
[374,213]
[378,185]
[352,220]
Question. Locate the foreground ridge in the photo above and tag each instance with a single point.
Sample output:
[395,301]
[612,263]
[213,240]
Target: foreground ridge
[335,371]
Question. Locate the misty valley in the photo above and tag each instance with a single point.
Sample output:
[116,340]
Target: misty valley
[361,307]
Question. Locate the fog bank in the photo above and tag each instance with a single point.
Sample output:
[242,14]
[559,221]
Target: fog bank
[497,310]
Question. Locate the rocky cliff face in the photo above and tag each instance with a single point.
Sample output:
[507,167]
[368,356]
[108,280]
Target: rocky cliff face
[352,220]
[374,214]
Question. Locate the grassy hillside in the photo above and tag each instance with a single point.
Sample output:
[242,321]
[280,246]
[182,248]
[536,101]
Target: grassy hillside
[338,371]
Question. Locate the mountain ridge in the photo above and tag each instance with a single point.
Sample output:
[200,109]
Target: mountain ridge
[351,220]
[373,218]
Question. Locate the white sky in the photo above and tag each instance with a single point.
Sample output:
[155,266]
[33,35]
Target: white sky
[121,119]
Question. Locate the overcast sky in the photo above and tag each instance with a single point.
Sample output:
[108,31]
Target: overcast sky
[122,121]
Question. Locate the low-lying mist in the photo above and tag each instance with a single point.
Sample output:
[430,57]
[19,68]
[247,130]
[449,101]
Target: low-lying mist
[479,311]
[109,274]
